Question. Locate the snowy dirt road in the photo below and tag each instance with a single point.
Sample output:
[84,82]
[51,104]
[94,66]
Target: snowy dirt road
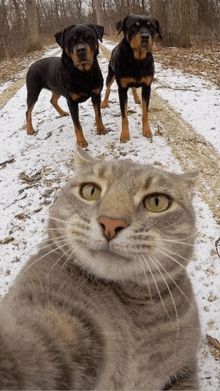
[185,121]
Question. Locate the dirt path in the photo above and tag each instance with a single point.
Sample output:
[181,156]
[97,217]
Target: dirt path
[190,148]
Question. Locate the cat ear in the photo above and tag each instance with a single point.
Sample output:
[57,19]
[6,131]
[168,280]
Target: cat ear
[191,179]
[81,158]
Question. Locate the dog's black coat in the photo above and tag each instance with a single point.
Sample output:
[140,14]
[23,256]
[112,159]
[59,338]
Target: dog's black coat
[76,75]
[132,64]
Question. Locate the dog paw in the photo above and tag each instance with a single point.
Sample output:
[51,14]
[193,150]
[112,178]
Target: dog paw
[148,134]
[104,104]
[82,143]
[101,130]
[64,114]
[125,138]
[30,131]
[137,101]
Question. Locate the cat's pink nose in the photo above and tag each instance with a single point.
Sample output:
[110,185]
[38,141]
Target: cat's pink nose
[111,226]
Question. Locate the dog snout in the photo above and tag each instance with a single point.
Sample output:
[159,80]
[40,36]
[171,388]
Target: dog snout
[81,50]
[145,37]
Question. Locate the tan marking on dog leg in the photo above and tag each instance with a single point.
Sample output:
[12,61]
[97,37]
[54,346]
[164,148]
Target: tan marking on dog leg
[80,139]
[30,129]
[147,80]
[145,126]
[54,100]
[135,95]
[104,103]
[98,119]
[125,135]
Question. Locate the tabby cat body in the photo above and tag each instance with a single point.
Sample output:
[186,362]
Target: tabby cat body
[107,304]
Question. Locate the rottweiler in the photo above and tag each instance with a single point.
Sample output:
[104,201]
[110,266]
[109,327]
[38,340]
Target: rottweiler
[76,75]
[132,65]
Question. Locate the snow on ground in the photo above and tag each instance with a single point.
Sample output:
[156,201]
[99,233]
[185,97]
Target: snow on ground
[194,98]
[36,167]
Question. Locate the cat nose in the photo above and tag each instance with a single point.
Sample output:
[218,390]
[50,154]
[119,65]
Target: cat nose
[111,226]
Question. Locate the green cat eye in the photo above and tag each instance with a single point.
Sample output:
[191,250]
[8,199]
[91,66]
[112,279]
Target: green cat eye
[90,192]
[157,202]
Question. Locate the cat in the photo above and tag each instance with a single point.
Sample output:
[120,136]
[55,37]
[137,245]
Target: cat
[106,303]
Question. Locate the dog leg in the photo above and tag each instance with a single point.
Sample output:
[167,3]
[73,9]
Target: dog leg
[96,100]
[135,95]
[110,79]
[30,129]
[54,102]
[145,104]
[74,111]
[125,135]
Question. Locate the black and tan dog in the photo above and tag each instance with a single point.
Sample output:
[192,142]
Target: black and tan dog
[76,76]
[132,65]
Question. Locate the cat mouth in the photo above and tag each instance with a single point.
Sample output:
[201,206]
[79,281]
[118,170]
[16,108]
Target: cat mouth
[111,252]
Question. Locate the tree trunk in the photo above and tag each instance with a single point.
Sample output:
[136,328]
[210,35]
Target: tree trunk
[99,14]
[32,26]
[174,18]
[4,30]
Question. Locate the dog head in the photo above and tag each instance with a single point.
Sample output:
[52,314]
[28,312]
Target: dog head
[80,43]
[139,31]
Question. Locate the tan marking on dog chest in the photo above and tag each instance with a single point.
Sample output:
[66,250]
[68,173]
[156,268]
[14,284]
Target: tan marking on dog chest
[75,96]
[97,91]
[127,81]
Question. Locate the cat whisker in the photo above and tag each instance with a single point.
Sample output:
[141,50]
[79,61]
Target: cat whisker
[169,256]
[148,285]
[43,256]
[54,265]
[156,285]
[136,270]
[172,252]
[174,223]
[171,296]
[56,229]
[71,253]
[177,242]
[58,239]
[58,260]
[181,291]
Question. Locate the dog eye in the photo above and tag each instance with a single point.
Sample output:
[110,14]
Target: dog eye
[157,202]
[88,37]
[90,192]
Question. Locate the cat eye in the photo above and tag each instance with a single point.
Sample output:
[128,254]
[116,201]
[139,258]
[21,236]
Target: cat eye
[90,192]
[157,202]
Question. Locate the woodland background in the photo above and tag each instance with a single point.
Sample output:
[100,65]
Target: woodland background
[27,25]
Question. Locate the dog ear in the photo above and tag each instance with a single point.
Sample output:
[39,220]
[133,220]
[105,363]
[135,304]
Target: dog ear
[99,30]
[120,26]
[60,36]
[158,28]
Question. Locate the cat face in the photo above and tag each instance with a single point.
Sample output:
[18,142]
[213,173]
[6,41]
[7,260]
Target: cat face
[122,221]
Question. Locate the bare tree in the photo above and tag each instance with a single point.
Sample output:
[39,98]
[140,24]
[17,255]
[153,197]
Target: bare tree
[32,25]
[99,13]
[175,20]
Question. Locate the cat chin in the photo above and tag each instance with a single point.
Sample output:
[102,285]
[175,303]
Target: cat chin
[105,265]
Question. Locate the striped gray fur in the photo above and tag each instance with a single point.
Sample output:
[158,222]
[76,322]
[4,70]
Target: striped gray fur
[102,308]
